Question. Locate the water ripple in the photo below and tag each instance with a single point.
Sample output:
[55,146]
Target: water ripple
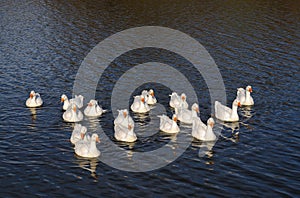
[43,44]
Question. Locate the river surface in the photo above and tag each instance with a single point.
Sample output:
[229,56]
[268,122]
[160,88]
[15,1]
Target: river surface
[43,44]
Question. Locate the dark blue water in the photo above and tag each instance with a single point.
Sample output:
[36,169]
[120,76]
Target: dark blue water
[43,43]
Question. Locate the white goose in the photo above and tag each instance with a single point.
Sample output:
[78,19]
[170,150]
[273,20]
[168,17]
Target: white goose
[139,105]
[176,101]
[34,100]
[78,100]
[149,97]
[225,113]
[186,115]
[93,109]
[72,114]
[203,132]
[243,95]
[88,148]
[78,133]
[124,133]
[168,125]
[124,118]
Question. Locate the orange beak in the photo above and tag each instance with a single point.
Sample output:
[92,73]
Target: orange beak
[197,110]
[239,104]
[124,114]
[211,124]
[31,95]
[152,94]
[74,108]
[97,139]
[90,104]
[143,99]
[175,119]
[62,100]
[183,98]
[250,89]
[82,135]
[129,127]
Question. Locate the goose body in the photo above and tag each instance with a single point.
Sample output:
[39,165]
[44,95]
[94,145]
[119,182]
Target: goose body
[203,132]
[124,133]
[72,114]
[168,125]
[186,115]
[88,148]
[124,127]
[139,105]
[93,109]
[225,113]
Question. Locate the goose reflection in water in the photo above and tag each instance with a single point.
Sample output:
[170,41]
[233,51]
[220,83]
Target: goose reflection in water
[128,148]
[93,123]
[89,164]
[141,118]
[33,113]
[172,141]
[125,145]
[247,111]
[145,125]
[205,148]
[234,128]
[129,154]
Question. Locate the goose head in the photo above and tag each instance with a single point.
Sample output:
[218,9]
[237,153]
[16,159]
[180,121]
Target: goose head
[151,92]
[83,132]
[173,94]
[92,103]
[95,137]
[144,93]
[32,94]
[210,122]
[125,113]
[63,98]
[183,97]
[236,103]
[249,88]
[239,90]
[195,107]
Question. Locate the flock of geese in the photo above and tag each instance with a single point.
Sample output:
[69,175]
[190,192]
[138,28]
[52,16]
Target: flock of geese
[85,145]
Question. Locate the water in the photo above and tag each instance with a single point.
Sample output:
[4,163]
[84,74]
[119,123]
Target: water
[43,44]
